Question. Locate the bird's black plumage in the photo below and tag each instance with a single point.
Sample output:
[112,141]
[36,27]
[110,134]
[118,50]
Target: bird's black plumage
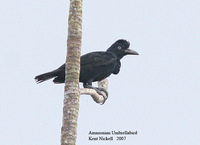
[95,66]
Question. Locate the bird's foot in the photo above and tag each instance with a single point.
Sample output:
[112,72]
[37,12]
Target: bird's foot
[104,90]
[100,91]
[105,96]
[102,94]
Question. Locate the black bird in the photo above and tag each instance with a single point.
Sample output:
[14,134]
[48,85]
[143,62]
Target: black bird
[95,66]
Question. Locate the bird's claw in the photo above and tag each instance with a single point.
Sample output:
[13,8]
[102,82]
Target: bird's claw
[100,93]
[104,90]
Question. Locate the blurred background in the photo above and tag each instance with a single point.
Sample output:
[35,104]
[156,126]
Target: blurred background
[155,93]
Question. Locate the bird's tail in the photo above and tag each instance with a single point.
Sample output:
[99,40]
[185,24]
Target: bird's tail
[45,76]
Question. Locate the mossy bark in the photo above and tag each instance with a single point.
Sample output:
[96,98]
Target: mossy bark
[72,93]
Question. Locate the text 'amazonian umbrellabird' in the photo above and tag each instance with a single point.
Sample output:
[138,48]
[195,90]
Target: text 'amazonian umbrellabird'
[95,66]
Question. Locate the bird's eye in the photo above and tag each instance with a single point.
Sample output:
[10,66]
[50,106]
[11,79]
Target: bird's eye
[119,47]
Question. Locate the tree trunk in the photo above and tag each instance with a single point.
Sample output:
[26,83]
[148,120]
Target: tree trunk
[72,71]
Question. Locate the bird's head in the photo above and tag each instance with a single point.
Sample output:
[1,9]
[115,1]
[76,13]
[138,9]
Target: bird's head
[121,48]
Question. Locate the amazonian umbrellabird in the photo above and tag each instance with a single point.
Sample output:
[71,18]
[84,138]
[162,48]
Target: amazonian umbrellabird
[95,66]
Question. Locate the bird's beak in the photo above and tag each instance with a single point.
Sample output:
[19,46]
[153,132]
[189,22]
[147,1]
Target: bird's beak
[131,52]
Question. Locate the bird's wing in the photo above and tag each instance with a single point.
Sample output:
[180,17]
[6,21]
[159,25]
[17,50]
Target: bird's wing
[62,67]
[95,59]
[98,59]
